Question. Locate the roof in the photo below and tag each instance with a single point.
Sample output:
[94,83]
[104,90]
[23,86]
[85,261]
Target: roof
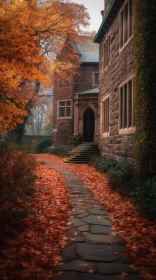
[90,91]
[107,20]
[88,51]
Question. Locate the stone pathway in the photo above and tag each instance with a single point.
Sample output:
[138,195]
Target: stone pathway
[93,252]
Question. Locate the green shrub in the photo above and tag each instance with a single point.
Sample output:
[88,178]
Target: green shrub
[43,146]
[144,197]
[62,152]
[103,164]
[123,178]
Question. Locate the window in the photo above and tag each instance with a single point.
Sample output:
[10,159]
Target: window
[126,23]
[105,116]
[95,78]
[106,52]
[126,105]
[64,109]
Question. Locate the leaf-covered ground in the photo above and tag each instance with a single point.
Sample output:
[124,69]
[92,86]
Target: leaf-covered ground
[138,232]
[35,252]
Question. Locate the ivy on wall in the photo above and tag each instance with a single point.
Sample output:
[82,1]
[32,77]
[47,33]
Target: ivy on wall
[145,82]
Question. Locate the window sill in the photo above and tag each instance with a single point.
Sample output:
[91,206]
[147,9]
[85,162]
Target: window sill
[127,42]
[104,135]
[64,118]
[125,131]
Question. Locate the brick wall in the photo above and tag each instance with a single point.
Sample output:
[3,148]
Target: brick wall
[84,81]
[121,68]
[62,128]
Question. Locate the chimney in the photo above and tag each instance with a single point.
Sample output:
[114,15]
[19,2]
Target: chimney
[102,13]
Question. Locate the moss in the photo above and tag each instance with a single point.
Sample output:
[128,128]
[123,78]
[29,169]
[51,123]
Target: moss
[145,82]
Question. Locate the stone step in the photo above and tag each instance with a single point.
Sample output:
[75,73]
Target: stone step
[83,153]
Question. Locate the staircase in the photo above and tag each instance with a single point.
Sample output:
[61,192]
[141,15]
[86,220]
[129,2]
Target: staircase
[83,153]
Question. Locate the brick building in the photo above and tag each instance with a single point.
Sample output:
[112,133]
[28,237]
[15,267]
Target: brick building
[75,103]
[116,72]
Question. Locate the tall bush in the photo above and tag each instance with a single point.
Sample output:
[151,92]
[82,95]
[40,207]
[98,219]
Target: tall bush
[16,186]
[145,82]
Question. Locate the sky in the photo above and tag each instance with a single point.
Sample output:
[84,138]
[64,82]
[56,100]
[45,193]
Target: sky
[94,8]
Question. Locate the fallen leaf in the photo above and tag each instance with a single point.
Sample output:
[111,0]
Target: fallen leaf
[122,275]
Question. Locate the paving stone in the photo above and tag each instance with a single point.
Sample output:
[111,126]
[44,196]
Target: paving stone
[87,276]
[83,228]
[68,254]
[75,192]
[77,265]
[102,239]
[85,214]
[67,276]
[95,211]
[71,232]
[97,220]
[103,253]
[96,229]
[76,199]
[76,239]
[76,222]
[114,268]
[78,212]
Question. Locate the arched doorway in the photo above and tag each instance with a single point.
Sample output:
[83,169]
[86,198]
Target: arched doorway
[88,125]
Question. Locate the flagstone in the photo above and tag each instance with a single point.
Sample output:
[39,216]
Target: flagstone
[103,253]
[68,254]
[95,211]
[97,220]
[105,239]
[76,222]
[114,268]
[97,229]
[77,265]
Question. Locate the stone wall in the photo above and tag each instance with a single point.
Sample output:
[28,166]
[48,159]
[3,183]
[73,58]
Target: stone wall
[36,138]
[120,69]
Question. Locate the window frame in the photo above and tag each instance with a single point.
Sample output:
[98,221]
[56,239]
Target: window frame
[106,59]
[66,106]
[105,134]
[131,129]
[130,25]
[93,78]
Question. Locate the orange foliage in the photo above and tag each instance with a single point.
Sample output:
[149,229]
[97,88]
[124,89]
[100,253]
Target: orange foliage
[35,252]
[29,31]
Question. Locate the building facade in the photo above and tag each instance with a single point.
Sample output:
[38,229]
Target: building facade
[75,102]
[116,75]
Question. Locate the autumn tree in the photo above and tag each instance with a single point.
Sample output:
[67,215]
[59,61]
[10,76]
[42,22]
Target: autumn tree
[31,34]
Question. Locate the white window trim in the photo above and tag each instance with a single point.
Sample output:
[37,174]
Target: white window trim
[64,100]
[106,134]
[129,130]
[131,37]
